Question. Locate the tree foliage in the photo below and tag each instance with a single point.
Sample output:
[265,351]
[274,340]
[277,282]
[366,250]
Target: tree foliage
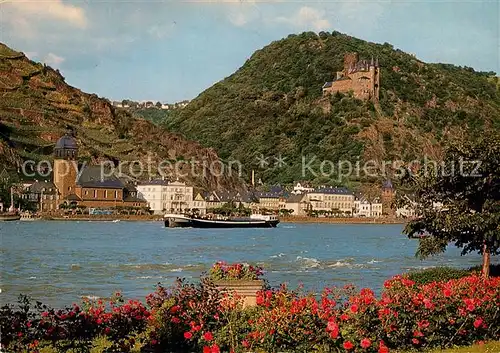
[458,199]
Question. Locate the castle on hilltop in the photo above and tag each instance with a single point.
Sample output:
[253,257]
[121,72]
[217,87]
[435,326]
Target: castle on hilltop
[362,77]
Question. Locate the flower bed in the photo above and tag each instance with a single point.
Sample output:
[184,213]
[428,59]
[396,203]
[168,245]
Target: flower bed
[222,271]
[201,318]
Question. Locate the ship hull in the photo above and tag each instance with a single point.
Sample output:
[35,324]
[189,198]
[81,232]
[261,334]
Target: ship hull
[7,218]
[183,221]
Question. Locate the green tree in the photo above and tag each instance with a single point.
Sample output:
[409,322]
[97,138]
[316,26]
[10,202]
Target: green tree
[458,200]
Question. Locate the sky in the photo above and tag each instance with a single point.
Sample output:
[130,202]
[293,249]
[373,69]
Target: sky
[169,51]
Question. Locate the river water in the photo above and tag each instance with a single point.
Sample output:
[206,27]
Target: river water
[60,262]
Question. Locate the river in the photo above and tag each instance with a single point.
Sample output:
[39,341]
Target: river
[60,262]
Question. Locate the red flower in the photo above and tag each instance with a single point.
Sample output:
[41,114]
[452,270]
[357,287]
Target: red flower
[154,342]
[208,336]
[175,320]
[415,341]
[383,348]
[354,308]
[348,345]
[478,322]
[188,335]
[365,343]
[206,349]
[245,343]
[447,292]
[333,328]
[344,317]
[45,314]
[214,349]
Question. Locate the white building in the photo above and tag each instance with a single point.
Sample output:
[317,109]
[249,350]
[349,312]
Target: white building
[163,196]
[365,208]
[301,189]
[331,199]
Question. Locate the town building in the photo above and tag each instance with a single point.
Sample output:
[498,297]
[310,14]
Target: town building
[163,196]
[361,77]
[365,208]
[43,194]
[331,199]
[271,201]
[298,203]
[91,187]
[301,188]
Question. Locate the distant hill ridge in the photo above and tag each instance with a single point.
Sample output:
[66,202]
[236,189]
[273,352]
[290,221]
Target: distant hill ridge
[273,105]
[36,106]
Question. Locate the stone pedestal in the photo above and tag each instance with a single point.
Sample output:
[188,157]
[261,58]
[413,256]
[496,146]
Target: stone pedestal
[247,289]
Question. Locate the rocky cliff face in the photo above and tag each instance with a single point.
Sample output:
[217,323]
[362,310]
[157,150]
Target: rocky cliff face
[37,106]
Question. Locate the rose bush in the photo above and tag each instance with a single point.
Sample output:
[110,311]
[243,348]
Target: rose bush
[200,318]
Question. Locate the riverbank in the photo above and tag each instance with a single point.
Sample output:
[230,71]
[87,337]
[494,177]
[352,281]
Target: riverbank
[292,219]
[342,220]
[104,218]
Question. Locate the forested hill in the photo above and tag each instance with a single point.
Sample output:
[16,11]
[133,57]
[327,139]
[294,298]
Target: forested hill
[36,106]
[273,105]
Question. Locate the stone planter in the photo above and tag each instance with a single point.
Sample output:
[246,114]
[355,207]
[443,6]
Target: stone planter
[247,289]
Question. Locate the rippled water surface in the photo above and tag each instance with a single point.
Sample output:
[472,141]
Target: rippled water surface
[59,262]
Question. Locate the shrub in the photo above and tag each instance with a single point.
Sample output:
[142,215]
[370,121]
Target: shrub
[198,318]
[437,274]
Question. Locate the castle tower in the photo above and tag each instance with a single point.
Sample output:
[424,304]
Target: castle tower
[350,61]
[65,165]
[388,196]
[375,80]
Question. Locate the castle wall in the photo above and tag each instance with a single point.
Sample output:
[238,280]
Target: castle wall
[364,83]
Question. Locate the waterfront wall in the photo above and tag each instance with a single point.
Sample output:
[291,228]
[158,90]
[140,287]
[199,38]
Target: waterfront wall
[349,220]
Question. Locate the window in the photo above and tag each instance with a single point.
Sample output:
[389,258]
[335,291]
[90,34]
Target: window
[116,194]
[105,194]
[95,194]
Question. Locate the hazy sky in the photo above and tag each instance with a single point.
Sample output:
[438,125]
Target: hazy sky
[173,50]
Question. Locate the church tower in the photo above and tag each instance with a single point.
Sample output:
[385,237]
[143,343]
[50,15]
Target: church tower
[65,165]
[388,196]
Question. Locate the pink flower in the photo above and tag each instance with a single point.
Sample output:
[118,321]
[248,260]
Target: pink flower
[365,343]
[348,345]
[188,335]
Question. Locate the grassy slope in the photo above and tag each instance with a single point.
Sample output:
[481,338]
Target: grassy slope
[273,105]
[36,107]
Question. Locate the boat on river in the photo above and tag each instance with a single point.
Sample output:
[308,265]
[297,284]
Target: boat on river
[9,217]
[28,217]
[254,221]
